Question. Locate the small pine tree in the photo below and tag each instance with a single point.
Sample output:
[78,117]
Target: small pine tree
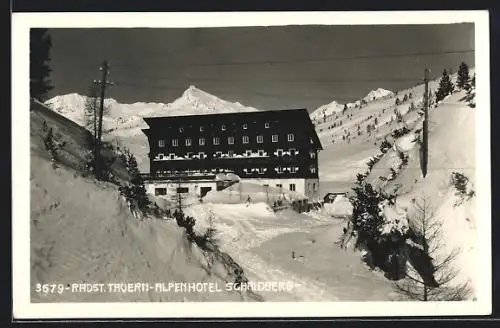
[385,146]
[135,193]
[428,237]
[445,87]
[366,217]
[471,92]
[463,76]
[412,107]
[40,44]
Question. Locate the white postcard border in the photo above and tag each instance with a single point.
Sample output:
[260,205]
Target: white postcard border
[24,309]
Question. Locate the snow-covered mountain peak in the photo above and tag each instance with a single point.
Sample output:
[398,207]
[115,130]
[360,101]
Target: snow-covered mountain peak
[379,93]
[127,119]
[192,93]
[326,110]
[194,101]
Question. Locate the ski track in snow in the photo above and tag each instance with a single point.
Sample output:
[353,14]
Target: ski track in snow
[260,270]
[304,288]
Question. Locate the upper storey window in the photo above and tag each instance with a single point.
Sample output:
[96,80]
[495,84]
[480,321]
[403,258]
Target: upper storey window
[260,139]
[266,125]
[223,127]
[175,142]
[275,138]
[181,130]
[188,142]
[245,139]
[291,137]
[161,143]
[201,141]
[202,129]
[245,126]
[216,140]
[230,140]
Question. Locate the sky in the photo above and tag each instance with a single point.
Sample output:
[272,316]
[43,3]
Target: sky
[264,67]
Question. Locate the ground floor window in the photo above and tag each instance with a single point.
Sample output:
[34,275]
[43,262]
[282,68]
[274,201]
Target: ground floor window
[182,190]
[279,185]
[292,187]
[160,191]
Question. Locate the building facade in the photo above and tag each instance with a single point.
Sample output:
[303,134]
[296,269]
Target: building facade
[275,148]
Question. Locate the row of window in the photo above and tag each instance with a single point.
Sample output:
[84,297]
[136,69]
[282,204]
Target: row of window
[230,140]
[262,170]
[279,169]
[178,190]
[231,154]
[223,127]
[163,191]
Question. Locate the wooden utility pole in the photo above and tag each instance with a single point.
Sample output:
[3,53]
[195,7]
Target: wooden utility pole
[103,83]
[94,95]
[425,127]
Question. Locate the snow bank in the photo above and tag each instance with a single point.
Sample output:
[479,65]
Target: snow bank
[341,207]
[239,226]
[239,193]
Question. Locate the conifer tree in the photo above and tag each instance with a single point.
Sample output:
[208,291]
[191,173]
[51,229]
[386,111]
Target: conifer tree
[463,76]
[40,44]
[138,182]
[445,87]
[428,237]
[137,191]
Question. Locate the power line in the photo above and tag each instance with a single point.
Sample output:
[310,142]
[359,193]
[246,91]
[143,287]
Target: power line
[282,80]
[318,60]
[221,92]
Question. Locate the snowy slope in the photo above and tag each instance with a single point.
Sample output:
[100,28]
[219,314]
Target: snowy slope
[345,152]
[451,149]
[334,107]
[82,231]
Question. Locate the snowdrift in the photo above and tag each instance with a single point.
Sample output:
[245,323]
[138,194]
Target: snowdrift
[341,207]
